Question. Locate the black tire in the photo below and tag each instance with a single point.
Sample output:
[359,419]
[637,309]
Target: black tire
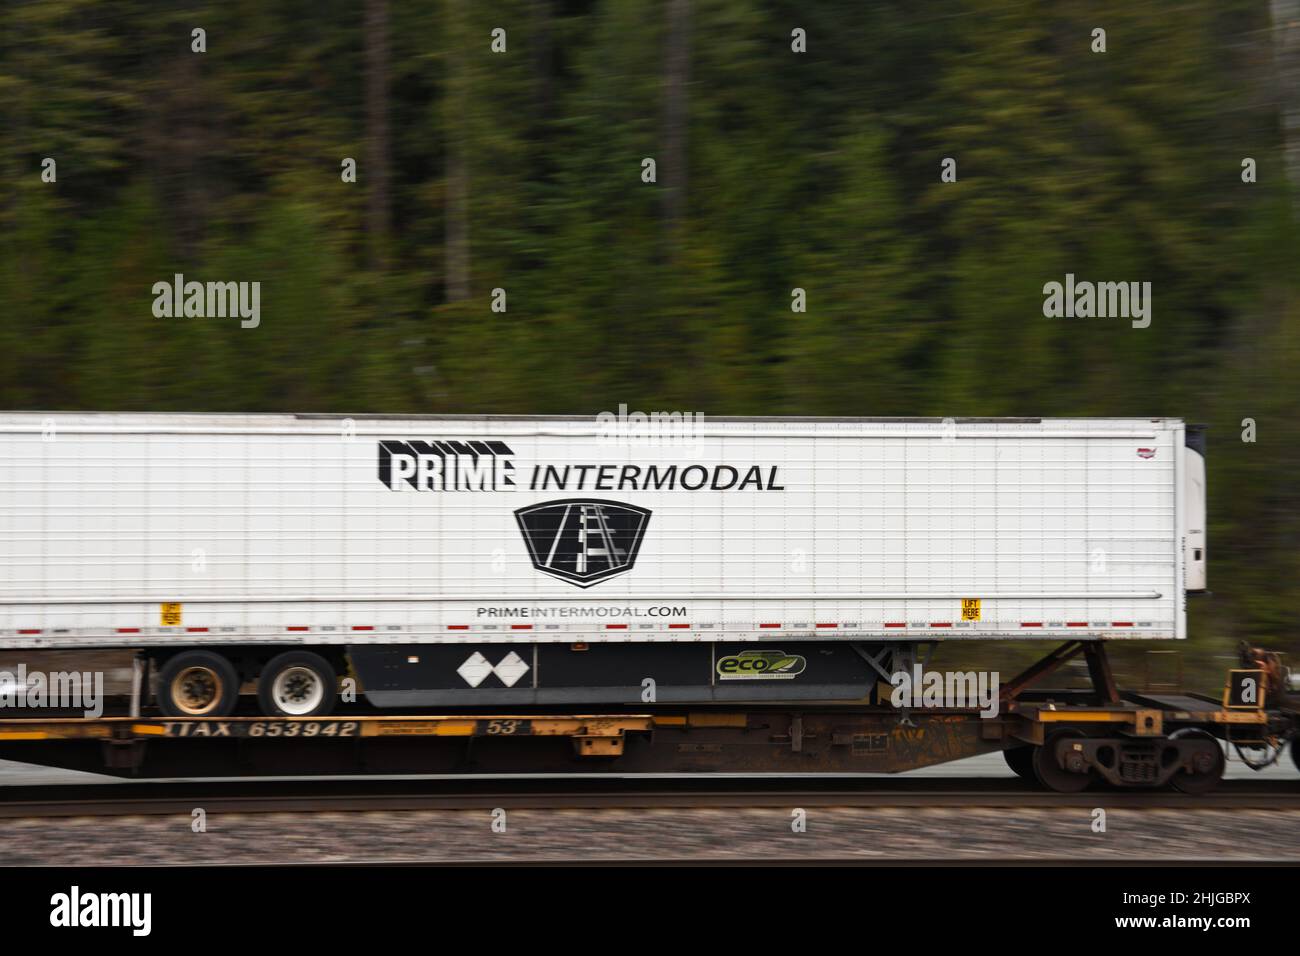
[1021,761]
[297,684]
[1051,774]
[198,684]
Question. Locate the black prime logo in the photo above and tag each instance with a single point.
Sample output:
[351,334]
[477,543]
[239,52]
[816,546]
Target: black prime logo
[583,540]
[446,465]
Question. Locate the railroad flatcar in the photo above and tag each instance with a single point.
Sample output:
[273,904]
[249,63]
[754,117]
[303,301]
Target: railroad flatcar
[518,567]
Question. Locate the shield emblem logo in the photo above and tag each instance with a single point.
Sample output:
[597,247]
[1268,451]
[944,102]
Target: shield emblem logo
[583,540]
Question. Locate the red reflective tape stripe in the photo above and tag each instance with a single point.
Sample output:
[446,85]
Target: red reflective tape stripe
[1077,624]
[197,630]
[30,630]
[295,628]
[458,627]
[941,624]
[828,625]
[363,627]
[615,627]
[1121,624]
[128,630]
[1031,623]
[896,624]
[769,625]
[521,627]
[678,625]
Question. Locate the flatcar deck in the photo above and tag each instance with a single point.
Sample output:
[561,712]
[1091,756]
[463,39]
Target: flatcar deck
[746,740]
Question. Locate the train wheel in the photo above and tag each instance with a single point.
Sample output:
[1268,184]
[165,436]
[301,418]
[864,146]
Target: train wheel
[1020,760]
[198,684]
[1208,771]
[297,684]
[1051,774]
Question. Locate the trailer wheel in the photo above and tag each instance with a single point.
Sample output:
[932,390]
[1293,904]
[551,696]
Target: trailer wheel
[1021,761]
[1051,774]
[297,684]
[1206,776]
[198,684]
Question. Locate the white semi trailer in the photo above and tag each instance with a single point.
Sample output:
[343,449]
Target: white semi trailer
[479,560]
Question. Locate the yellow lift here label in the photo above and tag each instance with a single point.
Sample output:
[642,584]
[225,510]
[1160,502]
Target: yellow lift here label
[970,609]
[170,615]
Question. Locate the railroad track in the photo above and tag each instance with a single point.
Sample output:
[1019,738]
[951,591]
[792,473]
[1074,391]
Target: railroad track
[305,796]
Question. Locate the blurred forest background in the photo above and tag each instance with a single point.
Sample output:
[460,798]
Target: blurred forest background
[819,170]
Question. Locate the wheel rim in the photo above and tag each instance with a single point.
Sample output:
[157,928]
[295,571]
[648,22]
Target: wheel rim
[1053,776]
[196,690]
[297,690]
[1199,782]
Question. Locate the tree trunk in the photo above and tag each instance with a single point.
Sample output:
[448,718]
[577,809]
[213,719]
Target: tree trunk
[455,112]
[377,172]
[672,166]
[542,55]
[1286,58]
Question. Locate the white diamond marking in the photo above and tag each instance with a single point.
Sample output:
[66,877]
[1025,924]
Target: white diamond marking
[511,668]
[475,669]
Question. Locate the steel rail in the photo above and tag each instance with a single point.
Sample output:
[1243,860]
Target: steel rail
[606,794]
